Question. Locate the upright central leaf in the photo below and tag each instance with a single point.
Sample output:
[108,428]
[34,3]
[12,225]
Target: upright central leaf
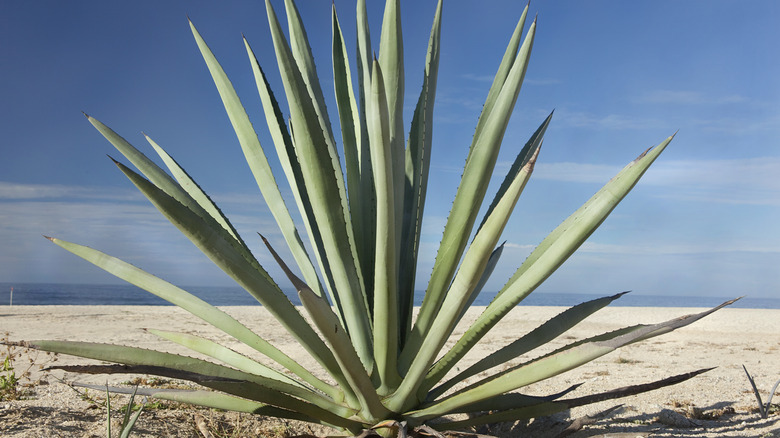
[325,186]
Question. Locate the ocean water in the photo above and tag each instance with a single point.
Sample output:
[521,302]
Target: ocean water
[91,294]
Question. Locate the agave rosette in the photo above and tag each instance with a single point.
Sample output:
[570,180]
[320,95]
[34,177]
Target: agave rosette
[363,222]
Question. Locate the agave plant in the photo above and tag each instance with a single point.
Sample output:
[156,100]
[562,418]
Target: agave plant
[383,368]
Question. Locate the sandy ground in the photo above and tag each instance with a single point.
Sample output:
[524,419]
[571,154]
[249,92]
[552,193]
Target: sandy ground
[718,403]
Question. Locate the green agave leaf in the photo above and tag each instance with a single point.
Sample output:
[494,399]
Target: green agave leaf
[477,257]
[250,391]
[551,365]
[513,400]
[334,333]
[537,337]
[301,51]
[334,415]
[143,163]
[391,60]
[108,413]
[258,163]
[195,306]
[186,191]
[385,272]
[128,423]
[420,354]
[325,185]
[508,60]
[352,133]
[251,277]
[553,251]
[339,341]
[208,399]
[292,169]
[202,372]
[193,189]
[476,177]
[225,355]
[366,206]
[491,265]
[230,403]
[418,161]
[364,57]
[517,166]
[513,411]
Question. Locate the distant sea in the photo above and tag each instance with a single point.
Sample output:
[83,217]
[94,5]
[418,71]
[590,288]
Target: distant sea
[127,295]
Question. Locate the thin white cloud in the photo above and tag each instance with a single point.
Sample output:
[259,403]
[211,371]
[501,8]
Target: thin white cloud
[575,172]
[478,78]
[686,97]
[519,246]
[737,181]
[547,81]
[134,231]
[580,119]
[734,125]
[673,249]
[17,191]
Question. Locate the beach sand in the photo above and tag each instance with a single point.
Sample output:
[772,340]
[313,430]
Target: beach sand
[718,403]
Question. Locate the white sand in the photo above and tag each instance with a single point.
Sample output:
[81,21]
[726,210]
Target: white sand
[727,340]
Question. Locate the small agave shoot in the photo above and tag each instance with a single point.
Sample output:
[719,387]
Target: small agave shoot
[383,369]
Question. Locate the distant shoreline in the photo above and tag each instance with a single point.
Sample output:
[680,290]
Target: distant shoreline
[128,295]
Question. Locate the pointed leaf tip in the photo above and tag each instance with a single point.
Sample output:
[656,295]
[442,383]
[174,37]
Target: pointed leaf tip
[265,241]
[50,238]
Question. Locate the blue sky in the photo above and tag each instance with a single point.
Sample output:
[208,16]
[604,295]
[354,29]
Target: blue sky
[621,76]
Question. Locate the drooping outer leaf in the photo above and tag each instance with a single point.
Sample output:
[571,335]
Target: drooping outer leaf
[551,253]
[195,306]
[550,365]
[513,411]
[206,373]
[473,185]
[209,399]
[249,392]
